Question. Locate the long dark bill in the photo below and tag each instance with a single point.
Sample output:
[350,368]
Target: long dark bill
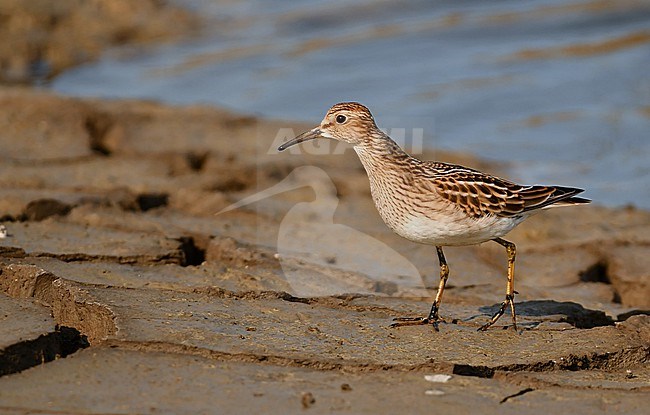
[306,136]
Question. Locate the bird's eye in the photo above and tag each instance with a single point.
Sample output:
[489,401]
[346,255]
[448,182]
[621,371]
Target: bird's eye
[341,119]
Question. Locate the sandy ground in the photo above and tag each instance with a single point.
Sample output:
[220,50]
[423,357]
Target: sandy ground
[124,292]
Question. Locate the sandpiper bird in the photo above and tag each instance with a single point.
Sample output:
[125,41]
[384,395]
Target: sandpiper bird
[437,203]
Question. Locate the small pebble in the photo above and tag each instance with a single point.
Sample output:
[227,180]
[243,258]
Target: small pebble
[437,378]
[433,392]
[3,232]
[308,399]
[346,387]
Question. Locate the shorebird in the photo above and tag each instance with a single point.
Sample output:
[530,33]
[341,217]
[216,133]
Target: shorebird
[437,203]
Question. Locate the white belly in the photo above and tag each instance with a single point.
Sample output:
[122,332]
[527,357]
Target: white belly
[453,230]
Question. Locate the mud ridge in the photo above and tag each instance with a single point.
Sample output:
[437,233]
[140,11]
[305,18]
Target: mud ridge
[73,306]
[610,361]
[334,302]
[618,360]
[218,292]
[594,245]
[27,281]
[171,258]
[274,360]
[12,252]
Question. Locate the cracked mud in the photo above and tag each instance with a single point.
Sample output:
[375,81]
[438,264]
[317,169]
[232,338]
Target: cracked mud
[123,292]
[118,262]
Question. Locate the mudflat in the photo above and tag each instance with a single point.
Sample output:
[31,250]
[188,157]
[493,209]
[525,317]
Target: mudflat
[125,293]
[161,259]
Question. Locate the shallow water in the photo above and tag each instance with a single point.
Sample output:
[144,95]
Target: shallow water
[559,90]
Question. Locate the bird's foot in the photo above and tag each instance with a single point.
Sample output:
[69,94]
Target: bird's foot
[509,301]
[417,321]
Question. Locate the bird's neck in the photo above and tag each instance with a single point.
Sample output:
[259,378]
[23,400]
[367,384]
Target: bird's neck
[380,152]
[389,168]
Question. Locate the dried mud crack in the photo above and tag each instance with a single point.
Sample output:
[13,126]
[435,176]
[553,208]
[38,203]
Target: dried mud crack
[46,348]
[514,395]
[609,361]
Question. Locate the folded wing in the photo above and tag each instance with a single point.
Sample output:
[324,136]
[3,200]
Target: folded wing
[480,194]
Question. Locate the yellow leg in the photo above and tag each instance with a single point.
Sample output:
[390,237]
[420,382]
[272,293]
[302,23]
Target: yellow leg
[433,317]
[511,250]
[444,274]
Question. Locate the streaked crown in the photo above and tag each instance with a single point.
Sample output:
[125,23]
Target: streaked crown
[350,122]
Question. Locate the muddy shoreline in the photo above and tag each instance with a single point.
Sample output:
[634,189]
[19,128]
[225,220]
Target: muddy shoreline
[124,292]
[112,236]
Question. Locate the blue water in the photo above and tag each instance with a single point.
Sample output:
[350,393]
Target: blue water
[456,70]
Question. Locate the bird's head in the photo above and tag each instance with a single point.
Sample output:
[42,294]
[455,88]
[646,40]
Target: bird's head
[350,122]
